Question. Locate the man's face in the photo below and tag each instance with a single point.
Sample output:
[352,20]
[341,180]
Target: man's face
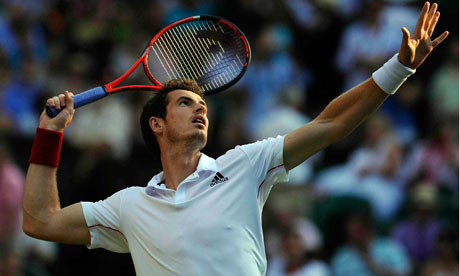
[186,118]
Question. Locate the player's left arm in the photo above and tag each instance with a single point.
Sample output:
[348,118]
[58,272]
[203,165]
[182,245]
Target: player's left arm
[349,110]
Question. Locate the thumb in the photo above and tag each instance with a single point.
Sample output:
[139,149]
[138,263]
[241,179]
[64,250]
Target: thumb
[406,36]
[405,54]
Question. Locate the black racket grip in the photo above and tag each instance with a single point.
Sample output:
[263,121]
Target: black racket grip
[80,99]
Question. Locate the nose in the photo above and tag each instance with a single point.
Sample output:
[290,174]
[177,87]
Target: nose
[200,108]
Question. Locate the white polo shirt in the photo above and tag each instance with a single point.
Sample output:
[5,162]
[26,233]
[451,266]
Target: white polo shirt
[211,225]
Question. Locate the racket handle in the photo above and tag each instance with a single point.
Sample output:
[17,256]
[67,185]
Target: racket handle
[80,99]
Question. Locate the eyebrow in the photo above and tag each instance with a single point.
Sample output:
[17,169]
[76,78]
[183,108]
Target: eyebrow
[190,99]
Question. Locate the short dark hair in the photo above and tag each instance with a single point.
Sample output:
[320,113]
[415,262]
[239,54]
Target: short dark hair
[156,107]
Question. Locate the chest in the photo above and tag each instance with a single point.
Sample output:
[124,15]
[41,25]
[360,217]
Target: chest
[221,207]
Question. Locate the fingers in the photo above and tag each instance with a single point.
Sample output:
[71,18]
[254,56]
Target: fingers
[439,39]
[433,23]
[431,15]
[422,18]
[54,102]
[61,100]
[69,100]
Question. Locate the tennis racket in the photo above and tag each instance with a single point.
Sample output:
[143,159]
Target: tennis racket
[208,49]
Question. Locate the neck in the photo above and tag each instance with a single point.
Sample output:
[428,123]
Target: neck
[178,164]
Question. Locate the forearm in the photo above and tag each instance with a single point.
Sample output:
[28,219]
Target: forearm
[350,109]
[41,198]
[41,201]
[337,120]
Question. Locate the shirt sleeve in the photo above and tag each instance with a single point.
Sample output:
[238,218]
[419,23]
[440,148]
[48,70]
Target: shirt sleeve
[266,160]
[104,223]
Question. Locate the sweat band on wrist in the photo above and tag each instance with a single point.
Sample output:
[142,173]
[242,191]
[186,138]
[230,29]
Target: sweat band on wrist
[392,75]
[46,147]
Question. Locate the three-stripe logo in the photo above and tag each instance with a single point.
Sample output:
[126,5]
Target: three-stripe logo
[218,178]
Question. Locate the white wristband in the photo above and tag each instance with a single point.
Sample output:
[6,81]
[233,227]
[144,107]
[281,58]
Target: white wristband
[392,75]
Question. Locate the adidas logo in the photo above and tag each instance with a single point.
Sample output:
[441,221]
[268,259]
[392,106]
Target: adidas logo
[218,178]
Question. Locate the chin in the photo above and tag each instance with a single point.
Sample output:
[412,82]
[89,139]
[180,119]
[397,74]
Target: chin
[198,140]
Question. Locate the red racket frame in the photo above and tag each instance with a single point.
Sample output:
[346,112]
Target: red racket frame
[111,88]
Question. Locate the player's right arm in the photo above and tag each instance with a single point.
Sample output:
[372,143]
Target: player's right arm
[43,217]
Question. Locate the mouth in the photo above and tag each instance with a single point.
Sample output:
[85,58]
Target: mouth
[200,120]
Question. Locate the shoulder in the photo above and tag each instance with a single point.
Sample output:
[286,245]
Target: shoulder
[254,148]
[268,143]
[130,192]
[120,195]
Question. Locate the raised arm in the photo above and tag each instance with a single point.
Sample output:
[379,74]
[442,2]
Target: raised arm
[43,217]
[350,109]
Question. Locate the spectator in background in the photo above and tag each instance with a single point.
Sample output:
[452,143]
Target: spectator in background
[357,60]
[418,233]
[365,254]
[371,171]
[19,254]
[22,36]
[299,241]
[312,16]
[272,71]
[175,10]
[18,98]
[25,50]
[110,125]
[398,13]
[434,159]
[11,189]
[401,111]
[443,88]
[304,13]
[445,261]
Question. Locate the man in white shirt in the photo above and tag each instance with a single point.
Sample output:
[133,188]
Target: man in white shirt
[201,216]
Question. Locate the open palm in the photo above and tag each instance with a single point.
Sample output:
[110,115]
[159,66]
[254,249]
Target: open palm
[415,48]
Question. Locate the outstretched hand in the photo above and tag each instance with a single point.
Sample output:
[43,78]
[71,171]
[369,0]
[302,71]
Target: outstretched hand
[415,48]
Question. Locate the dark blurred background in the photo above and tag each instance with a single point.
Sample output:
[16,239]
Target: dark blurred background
[390,189]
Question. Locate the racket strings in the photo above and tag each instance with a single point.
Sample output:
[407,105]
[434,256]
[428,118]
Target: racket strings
[210,53]
[169,51]
[193,50]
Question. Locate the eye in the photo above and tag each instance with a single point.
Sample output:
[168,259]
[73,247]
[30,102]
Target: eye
[183,102]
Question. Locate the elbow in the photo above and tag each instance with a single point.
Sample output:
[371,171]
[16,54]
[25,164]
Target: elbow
[34,232]
[28,229]
[31,228]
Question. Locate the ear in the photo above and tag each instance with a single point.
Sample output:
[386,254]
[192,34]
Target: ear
[156,125]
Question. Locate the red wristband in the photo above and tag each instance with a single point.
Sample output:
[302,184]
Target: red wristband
[46,147]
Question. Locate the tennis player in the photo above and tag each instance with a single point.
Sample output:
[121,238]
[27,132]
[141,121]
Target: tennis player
[200,216]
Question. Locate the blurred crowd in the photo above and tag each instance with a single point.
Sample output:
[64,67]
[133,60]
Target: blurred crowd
[384,201]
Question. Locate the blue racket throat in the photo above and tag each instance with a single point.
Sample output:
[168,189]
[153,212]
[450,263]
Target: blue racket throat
[80,99]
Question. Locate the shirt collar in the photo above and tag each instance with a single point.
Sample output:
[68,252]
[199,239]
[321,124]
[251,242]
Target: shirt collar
[205,163]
